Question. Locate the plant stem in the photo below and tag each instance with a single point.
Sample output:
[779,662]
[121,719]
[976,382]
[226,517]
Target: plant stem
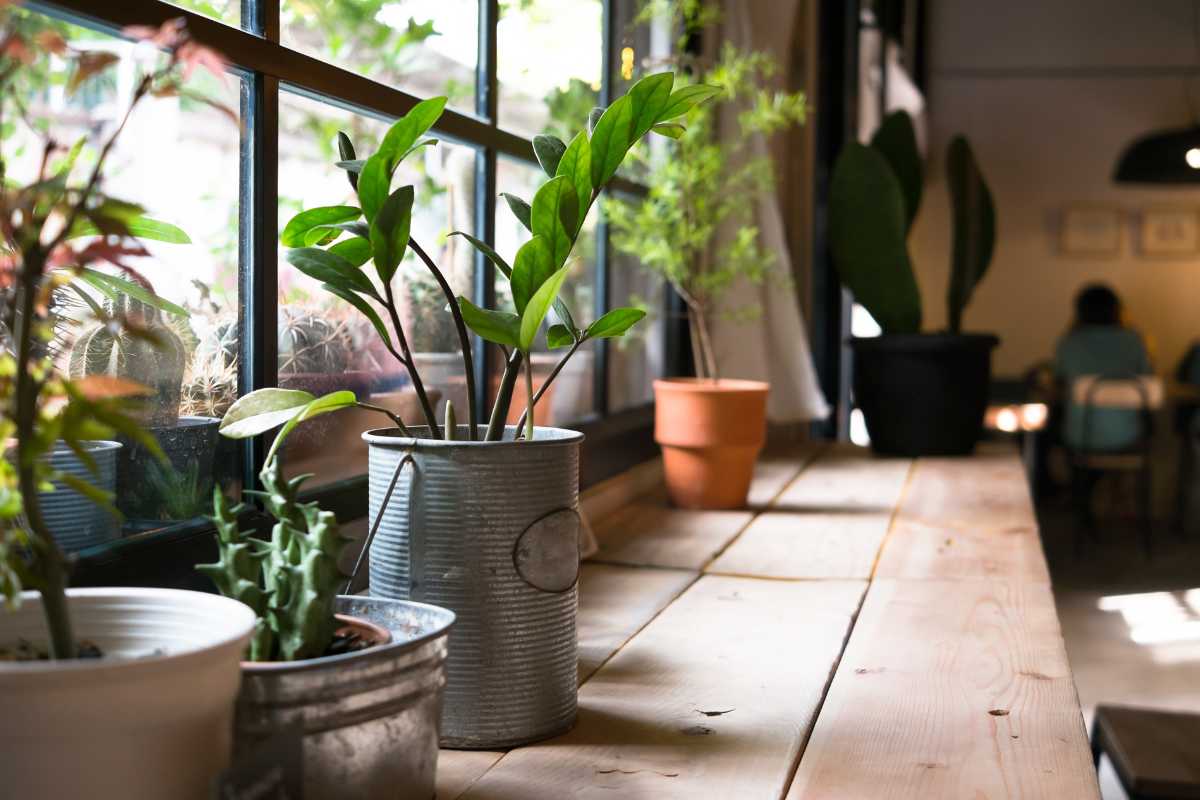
[528,399]
[706,346]
[395,418]
[464,340]
[562,362]
[495,428]
[414,375]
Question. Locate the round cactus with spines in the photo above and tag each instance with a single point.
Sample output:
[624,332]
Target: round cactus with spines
[143,349]
[311,344]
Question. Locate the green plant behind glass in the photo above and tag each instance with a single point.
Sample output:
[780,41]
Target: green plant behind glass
[707,183]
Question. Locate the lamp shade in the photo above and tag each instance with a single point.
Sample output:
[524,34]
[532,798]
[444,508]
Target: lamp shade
[1161,157]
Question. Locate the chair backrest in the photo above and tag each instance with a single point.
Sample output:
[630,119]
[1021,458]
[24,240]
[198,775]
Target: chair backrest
[1138,393]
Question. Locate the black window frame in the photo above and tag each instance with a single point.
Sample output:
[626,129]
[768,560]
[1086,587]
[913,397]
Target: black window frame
[614,441]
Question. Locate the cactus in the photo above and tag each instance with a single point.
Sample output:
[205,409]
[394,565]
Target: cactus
[210,388]
[311,344]
[143,349]
[220,343]
[291,582]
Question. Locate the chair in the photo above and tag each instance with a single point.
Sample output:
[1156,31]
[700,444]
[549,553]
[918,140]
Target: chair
[1142,394]
[1156,754]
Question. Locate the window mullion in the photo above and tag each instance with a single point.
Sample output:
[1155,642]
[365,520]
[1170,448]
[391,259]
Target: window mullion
[602,278]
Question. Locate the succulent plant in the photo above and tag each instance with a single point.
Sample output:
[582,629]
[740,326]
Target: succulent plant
[141,348]
[311,344]
[292,581]
[220,343]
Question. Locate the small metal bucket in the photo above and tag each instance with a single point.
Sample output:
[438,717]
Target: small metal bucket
[489,530]
[369,719]
[74,520]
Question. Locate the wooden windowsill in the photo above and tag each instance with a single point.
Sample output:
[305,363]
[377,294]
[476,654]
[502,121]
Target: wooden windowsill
[870,627]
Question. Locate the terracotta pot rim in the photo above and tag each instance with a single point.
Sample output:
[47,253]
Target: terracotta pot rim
[705,385]
[378,633]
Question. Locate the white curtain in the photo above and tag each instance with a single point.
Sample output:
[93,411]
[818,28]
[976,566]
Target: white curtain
[774,347]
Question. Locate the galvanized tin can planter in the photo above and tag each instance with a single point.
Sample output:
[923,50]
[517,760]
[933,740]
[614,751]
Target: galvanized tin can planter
[368,719]
[489,530]
[74,520]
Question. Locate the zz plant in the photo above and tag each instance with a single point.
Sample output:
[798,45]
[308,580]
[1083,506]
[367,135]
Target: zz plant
[332,244]
[874,197]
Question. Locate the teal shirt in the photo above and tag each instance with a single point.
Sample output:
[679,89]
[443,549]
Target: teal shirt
[1101,350]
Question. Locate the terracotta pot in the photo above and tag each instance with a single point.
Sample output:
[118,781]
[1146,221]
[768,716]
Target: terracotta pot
[711,433]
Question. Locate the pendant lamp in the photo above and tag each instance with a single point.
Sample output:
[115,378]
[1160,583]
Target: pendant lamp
[1170,156]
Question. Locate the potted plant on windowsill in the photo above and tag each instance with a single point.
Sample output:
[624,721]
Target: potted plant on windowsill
[921,393]
[90,677]
[372,674]
[511,580]
[703,185]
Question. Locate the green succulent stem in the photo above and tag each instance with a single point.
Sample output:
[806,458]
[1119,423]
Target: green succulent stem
[528,398]
[512,369]
[562,362]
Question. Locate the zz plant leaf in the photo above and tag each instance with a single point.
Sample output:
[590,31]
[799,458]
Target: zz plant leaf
[389,232]
[555,217]
[499,327]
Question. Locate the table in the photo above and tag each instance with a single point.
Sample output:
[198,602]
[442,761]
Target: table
[870,628]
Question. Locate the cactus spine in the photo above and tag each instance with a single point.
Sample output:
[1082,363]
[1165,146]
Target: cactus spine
[142,349]
[309,344]
[296,574]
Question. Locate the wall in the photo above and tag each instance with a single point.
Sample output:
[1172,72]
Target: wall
[1049,93]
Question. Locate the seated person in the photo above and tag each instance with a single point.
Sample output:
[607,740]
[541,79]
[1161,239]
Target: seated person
[1098,344]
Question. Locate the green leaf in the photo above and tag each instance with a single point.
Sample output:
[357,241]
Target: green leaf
[614,323]
[576,166]
[610,141]
[974,226]
[400,138]
[416,147]
[559,336]
[686,98]
[334,401]
[520,209]
[262,410]
[363,307]
[555,216]
[533,265]
[294,232]
[494,326]
[648,99]
[539,305]
[564,314]
[346,151]
[353,166]
[356,250]
[137,226]
[549,150]
[594,117]
[487,250]
[328,267]
[669,129]
[374,184]
[112,286]
[897,142]
[389,232]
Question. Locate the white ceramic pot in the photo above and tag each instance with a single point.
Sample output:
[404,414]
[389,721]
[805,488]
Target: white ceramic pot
[153,719]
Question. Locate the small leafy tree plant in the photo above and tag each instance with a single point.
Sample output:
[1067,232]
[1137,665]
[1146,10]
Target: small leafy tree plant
[703,183]
[54,230]
[333,243]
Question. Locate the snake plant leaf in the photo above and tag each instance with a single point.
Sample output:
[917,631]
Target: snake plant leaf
[356,250]
[262,410]
[648,100]
[539,305]
[329,267]
[897,142]
[533,265]
[494,326]
[389,232]
[974,216]
[867,227]
[555,217]
[559,336]
[488,251]
[576,166]
[610,140]
[549,150]
[685,98]
[520,210]
[614,323]
[298,226]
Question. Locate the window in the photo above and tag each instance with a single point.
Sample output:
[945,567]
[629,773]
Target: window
[301,70]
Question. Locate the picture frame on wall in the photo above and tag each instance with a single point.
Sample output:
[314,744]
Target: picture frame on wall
[1090,233]
[1169,232]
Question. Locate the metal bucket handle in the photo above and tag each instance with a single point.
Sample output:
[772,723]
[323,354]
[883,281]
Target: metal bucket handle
[387,497]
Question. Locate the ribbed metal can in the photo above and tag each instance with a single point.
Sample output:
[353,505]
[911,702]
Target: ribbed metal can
[368,720]
[74,520]
[489,530]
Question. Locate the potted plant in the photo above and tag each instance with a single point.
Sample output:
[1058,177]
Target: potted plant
[372,676]
[92,675]
[511,582]
[921,393]
[703,187]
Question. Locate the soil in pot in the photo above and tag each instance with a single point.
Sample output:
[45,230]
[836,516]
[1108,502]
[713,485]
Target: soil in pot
[711,433]
[923,394]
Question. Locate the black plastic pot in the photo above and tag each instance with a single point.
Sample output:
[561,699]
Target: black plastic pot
[923,394]
[151,492]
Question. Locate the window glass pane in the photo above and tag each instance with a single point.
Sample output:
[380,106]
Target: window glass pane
[227,11]
[324,343]
[178,158]
[424,47]
[549,60]
[571,396]
[636,358]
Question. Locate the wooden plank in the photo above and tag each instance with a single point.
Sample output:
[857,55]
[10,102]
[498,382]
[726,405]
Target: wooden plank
[775,471]
[965,518]
[457,770]
[714,698]
[847,479]
[784,544]
[650,533]
[615,602]
[951,689]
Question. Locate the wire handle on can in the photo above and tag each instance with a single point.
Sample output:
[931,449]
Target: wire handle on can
[362,556]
